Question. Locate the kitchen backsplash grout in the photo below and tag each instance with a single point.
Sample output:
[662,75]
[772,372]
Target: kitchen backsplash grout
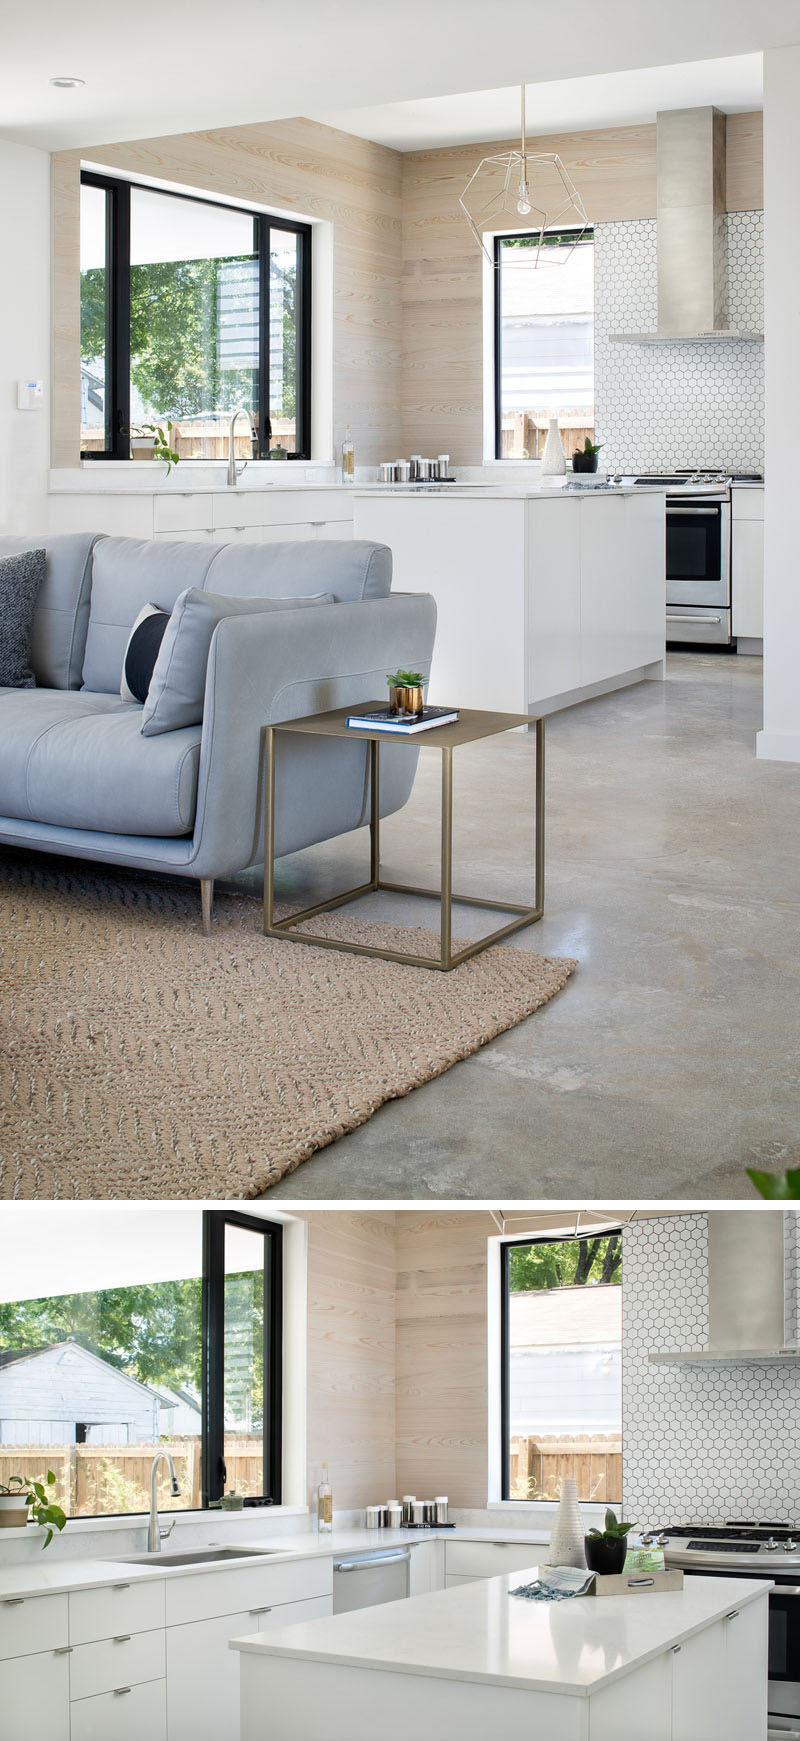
[659,407]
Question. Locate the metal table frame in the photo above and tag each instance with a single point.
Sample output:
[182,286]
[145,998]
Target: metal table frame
[471,726]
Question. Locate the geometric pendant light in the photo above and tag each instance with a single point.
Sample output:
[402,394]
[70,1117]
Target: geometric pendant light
[534,184]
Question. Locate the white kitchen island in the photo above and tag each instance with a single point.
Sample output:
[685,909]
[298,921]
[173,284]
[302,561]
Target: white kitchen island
[473,1663]
[545,595]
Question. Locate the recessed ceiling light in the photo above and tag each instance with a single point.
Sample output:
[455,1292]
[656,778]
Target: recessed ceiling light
[63,84]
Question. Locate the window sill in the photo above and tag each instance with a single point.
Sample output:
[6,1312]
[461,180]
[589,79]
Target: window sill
[139,1519]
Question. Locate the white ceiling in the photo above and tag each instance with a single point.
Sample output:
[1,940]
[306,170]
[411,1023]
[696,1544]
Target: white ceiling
[153,68]
[603,100]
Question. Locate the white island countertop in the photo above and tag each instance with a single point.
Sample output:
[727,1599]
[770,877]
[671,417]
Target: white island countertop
[479,1633]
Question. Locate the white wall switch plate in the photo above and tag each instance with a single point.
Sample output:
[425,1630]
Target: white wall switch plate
[30,395]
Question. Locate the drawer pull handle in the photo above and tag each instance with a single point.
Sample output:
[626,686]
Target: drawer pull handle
[120,1586]
[122,1638]
[119,1692]
[63,1650]
[676,1648]
[13,1601]
[260,1610]
[734,1614]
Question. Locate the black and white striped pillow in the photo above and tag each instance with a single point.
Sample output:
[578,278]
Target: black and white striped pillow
[141,652]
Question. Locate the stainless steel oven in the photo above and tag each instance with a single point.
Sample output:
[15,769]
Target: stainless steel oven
[699,567]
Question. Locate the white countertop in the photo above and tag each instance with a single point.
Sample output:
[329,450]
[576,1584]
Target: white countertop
[477,1632]
[507,492]
[50,1576]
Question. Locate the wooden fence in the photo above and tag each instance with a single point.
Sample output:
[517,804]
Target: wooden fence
[539,1465]
[524,434]
[96,1479]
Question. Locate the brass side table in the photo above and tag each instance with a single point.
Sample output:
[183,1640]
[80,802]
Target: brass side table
[469,728]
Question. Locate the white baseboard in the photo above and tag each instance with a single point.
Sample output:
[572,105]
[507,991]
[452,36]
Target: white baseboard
[654,672]
[778,746]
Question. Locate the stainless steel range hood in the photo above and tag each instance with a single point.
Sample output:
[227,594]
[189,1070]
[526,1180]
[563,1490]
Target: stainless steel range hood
[692,242]
[751,1315]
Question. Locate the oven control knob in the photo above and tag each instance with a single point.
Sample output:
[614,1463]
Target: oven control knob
[646,1538]
[771,1545]
[662,1541]
[790,1547]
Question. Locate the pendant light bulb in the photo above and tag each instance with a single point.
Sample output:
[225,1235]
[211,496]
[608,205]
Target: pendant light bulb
[524,201]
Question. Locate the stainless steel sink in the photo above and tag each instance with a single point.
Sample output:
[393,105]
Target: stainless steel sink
[195,1557]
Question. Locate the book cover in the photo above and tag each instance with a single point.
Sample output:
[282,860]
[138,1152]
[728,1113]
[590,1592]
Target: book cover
[382,719]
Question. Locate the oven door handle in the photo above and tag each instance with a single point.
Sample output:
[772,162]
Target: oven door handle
[696,617]
[689,508]
[786,1589]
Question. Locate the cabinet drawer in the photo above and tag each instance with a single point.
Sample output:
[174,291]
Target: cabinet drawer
[32,1623]
[452,1580]
[202,1596]
[34,1698]
[118,1608]
[291,1613]
[136,1715]
[488,1559]
[747,504]
[117,1662]
[182,513]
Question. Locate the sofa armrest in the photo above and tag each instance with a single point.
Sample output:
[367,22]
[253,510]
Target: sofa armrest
[282,665]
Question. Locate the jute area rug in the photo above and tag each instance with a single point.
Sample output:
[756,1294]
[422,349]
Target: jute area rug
[139,1058]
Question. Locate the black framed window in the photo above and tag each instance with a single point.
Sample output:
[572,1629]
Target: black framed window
[561,1367]
[160,1333]
[189,310]
[543,341]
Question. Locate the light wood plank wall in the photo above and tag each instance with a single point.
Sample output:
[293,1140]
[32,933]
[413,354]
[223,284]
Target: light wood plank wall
[351,1354]
[615,170]
[407,276]
[296,166]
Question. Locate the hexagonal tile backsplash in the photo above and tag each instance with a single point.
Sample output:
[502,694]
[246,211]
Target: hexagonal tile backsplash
[665,406]
[707,1442]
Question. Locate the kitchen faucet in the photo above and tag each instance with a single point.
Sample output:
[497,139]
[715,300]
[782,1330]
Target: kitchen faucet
[241,410]
[154,1530]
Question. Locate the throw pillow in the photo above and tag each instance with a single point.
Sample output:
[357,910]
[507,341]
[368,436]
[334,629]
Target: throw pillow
[141,652]
[177,686]
[20,579]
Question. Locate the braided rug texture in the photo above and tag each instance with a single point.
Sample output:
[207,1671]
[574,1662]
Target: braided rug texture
[139,1058]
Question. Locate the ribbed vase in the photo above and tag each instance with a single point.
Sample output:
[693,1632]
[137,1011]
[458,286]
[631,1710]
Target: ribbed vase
[554,463]
[566,1542]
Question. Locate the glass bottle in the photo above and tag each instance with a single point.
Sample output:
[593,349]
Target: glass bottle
[348,458]
[324,1502]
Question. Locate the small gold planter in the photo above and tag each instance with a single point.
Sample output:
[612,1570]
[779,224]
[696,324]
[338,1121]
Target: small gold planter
[403,699]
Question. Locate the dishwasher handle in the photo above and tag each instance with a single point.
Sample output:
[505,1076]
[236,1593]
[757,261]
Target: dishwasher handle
[367,1564]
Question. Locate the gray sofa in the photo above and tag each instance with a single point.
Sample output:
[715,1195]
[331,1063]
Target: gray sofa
[78,777]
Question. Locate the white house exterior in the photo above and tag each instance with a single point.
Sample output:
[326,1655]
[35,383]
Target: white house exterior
[566,1361]
[63,1394]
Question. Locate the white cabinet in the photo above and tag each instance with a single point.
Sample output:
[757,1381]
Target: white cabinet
[426,1567]
[745,1697]
[34,1697]
[465,1559]
[635,1707]
[747,562]
[136,1713]
[554,599]
[116,1662]
[203,1672]
[115,1609]
[33,1623]
[249,515]
[698,1676]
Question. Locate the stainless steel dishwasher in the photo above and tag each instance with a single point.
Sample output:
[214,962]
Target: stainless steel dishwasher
[361,1580]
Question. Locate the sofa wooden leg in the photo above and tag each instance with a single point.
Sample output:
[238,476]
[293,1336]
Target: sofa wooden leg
[207,903]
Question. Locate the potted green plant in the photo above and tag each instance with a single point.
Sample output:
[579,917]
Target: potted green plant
[584,458]
[405,691]
[161,444]
[22,1494]
[606,1548]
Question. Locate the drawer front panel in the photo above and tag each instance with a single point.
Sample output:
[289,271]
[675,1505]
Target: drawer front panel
[489,1559]
[33,1623]
[182,513]
[291,1613]
[748,504]
[138,1715]
[116,1662]
[122,1607]
[202,1596]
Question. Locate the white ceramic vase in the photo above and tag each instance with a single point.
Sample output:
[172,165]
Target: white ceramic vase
[566,1542]
[554,463]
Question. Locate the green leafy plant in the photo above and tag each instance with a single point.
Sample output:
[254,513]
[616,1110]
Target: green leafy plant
[777,1185]
[590,446]
[161,444]
[614,1530]
[43,1510]
[404,679]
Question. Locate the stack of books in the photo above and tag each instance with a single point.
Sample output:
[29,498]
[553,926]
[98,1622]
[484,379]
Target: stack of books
[384,720]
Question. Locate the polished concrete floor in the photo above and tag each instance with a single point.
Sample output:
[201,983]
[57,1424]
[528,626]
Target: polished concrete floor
[670,1062]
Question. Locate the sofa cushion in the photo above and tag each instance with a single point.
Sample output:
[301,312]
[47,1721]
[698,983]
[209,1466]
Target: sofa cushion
[128,573]
[62,608]
[78,760]
[21,577]
[177,686]
[350,568]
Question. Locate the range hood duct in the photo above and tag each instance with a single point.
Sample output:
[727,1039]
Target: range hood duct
[750,1315]
[692,231]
